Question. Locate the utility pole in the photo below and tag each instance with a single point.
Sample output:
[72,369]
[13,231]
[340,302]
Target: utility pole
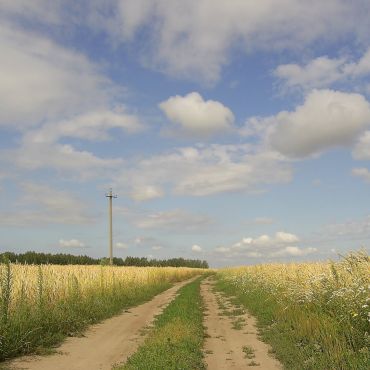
[110,196]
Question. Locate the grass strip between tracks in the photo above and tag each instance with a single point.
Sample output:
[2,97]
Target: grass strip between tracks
[177,337]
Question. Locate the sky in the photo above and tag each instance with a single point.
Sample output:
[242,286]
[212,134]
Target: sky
[236,131]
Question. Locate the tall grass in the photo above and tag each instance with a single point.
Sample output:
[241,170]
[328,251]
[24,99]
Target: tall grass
[40,305]
[315,315]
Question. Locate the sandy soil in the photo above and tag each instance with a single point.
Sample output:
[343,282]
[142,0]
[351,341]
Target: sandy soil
[233,337]
[104,344]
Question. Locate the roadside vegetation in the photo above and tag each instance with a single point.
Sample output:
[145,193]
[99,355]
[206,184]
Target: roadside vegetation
[41,305]
[315,315]
[176,340]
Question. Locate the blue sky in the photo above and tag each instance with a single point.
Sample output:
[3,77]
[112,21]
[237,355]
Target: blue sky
[232,131]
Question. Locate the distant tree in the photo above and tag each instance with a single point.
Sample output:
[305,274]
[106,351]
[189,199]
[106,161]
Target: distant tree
[36,258]
[47,258]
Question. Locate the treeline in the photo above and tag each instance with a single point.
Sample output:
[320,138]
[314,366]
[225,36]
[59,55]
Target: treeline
[173,262]
[69,259]
[36,258]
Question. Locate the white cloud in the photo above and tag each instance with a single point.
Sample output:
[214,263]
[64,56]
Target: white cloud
[326,119]
[282,244]
[145,240]
[361,150]
[199,43]
[93,126]
[63,158]
[42,204]
[41,10]
[40,147]
[322,72]
[157,247]
[263,221]
[351,229]
[196,248]
[72,243]
[282,237]
[40,80]
[120,245]
[196,116]
[146,192]
[206,170]
[174,220]
[294,251]
[362,172]
[3,176]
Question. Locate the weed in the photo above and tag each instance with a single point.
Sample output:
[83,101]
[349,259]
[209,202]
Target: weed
[249,352]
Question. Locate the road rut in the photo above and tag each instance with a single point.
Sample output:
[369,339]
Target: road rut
[232,341]
[105,344]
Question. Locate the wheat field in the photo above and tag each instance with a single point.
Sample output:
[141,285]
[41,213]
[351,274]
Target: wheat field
[40,305]
[320,309]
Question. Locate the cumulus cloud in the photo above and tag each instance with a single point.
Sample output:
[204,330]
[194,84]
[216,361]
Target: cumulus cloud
[120,245]
[282,244]
[319,72]
[41,147]
[63,158]
[326,119]
[92,126]
[40,10]
[361,150]
[72,243]
[3,176]
[294,252]
[199,44]
[177,220]
[362,172]
[205,170]
[351,229]
[322,72]
[42,204]
[282,237]
[196,248]
[196,116]
[146,192]
[40,80]
[51,93]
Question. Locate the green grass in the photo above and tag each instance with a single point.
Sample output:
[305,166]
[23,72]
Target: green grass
[238,323]
[177,337]
[301,337]
[248,352]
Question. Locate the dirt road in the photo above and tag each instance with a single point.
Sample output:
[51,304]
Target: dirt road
[104,344]
[233,341]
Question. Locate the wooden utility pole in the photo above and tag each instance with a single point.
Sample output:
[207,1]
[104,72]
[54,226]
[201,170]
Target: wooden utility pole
[110,196]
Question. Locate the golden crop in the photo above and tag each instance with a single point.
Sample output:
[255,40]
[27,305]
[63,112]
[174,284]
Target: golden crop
[322,309]
[30,284]
[341,288]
